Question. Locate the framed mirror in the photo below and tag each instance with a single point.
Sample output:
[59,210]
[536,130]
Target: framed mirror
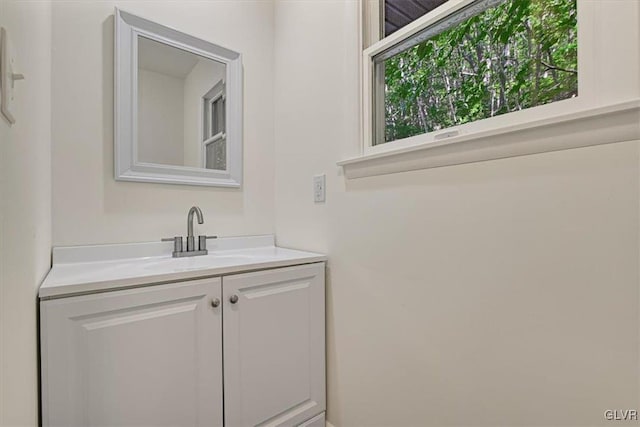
[178,106]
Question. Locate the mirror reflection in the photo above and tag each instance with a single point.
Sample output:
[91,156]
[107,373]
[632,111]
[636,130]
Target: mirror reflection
[181,107]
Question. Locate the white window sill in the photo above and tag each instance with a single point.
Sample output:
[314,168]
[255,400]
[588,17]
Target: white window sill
[596,126]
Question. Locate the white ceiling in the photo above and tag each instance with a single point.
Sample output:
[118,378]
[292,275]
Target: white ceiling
[161,58]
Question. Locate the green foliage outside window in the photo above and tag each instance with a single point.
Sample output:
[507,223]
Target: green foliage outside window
[517,55]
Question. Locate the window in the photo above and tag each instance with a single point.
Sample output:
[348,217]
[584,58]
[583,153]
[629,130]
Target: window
[551,93]
[214,136]
[488,58]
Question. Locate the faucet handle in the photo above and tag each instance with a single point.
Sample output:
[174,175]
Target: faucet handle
[177,243]
[202,242]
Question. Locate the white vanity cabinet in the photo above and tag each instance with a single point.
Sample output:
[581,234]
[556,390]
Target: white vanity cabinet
[147,356]
[274,358]
[166,354]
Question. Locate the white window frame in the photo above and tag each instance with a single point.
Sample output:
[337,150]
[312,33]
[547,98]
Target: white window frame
[607,86]
[207,137]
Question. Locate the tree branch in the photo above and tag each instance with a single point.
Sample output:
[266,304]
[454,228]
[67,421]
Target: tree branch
[553,67]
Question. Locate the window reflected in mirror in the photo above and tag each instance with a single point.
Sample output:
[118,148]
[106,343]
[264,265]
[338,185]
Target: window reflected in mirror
[214,132]
[181,107]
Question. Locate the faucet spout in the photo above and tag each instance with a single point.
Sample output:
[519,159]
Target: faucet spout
[194,210]
[192,249]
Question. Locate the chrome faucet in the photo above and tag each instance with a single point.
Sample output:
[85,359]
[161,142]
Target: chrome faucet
[191,250]
[191,240]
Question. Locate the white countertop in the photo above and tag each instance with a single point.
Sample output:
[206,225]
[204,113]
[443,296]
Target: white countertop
[83,269]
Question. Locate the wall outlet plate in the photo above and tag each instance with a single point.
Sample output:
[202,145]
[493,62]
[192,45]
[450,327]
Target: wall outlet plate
[319,191]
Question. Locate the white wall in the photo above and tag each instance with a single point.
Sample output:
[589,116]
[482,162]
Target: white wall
[88,205]
[160,118]
[25,208]
[495,293]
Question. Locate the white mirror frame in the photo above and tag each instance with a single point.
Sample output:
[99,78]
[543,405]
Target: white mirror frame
[127,165]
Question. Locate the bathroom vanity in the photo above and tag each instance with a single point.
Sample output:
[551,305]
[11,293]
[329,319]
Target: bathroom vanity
[132,336]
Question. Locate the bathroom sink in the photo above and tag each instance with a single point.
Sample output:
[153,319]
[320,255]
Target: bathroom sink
[93,268]
[178,264]
[212,260]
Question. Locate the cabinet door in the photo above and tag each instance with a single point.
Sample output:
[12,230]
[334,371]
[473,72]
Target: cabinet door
[148,356]
[274,346]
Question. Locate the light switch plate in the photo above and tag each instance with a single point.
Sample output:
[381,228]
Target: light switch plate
[319,192]
[7,76]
